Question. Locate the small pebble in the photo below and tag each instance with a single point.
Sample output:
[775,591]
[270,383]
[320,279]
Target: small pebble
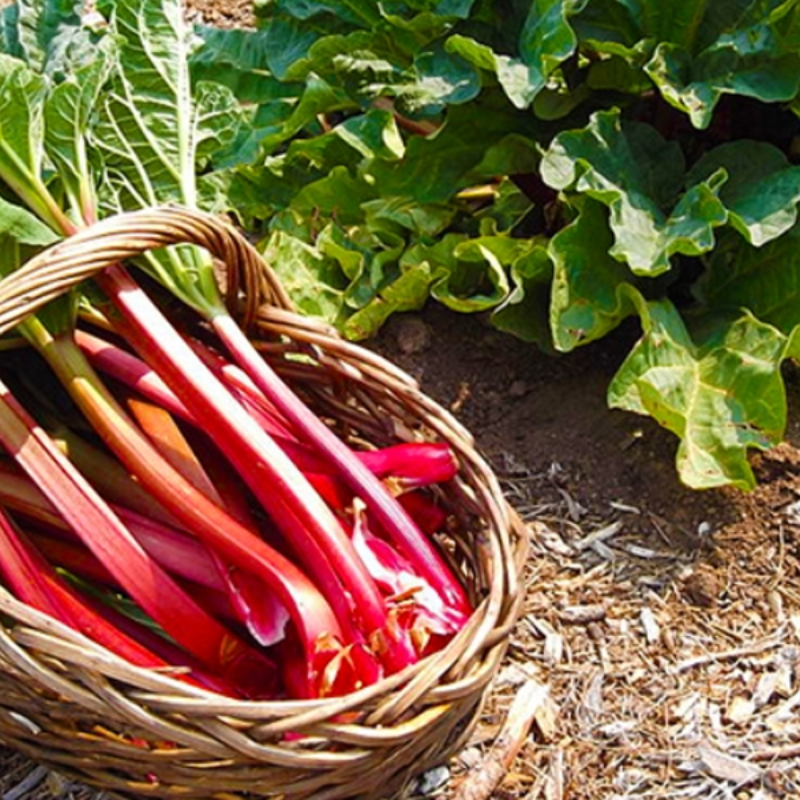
[518,389]
[412,335]
[432,780]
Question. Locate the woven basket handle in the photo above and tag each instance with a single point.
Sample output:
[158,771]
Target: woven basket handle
[249,281]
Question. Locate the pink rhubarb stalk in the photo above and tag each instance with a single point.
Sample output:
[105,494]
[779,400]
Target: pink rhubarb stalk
[363,483]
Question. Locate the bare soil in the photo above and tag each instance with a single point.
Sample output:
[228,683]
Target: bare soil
[664,622]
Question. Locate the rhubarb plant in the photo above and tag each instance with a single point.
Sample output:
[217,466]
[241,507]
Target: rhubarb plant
[566,165]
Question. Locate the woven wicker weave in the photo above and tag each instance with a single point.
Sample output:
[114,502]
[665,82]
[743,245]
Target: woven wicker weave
[71,704]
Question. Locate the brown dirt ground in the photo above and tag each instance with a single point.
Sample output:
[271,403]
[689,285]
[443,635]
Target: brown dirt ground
[662,625]
[660,618]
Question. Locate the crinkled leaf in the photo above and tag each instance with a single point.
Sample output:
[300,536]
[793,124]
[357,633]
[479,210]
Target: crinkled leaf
[439,78]
[339,195]
[262,190]
[739,47]
[367,257]
[637,174]
[512,73]
[402,215]
[318,97]
[435,168]
[470,275]
[762,189]
[407,292]
[50,36]
[508,210]
[69,114]
[306,274]
[720,393]
[547,38]
[589,296]
[765,280]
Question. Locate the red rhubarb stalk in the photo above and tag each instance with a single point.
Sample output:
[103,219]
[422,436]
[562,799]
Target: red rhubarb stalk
[315,534]
[36,583]
[106,536]
[312,615]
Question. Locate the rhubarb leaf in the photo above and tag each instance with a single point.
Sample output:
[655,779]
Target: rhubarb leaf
[434,168]
[525,310]
[22,94]
[638,174]
[720,391]
[731,47]
[546,40]
[765,280]
[306,274]
[156,133]
[589,295]
[69,114]
[20,226]
[51,36]
[761,191]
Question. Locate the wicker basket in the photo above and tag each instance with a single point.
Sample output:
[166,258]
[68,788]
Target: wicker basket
[90,715]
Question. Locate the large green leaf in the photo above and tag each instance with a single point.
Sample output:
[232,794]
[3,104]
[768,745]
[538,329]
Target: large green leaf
[374,135]
[69,115]
[339,194]
[721,393]
[545,42]
[637,174]
[306,274]
[22,98]
[512,73]
[589,292]
[408,291]
[762,189]
[153,134]
[742,47]
[156,132]
[473,276]
[765,280]
[248,62]
[434,168]
[51,37]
